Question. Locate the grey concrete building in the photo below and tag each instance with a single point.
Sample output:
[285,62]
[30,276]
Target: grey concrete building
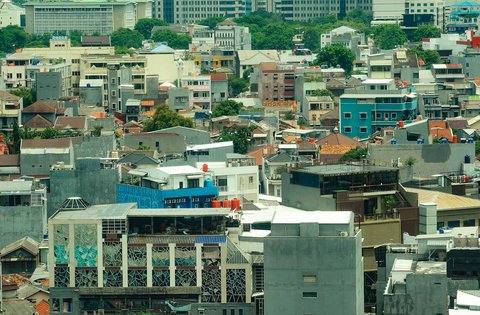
[48,85]
[219,87]
[93,179]
[179,98]
[192,136]
[91,92]
[429,158]
[470,61]
[309,260]
[95,147]
[168,143]
[23,211]
[38,156]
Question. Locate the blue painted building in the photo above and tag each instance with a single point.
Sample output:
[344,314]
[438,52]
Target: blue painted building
[175,198]
[169,187]
[376,105]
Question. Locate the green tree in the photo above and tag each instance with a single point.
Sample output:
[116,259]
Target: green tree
[49,133]
[164,117]
[17,138]
[12,37]
[426,31]
[236,86]
[227,108]
[76,38]
[360,16]
[477,147]
[311,38]
[354,155]
[38,41]
[240,135]
[277,36]
[430,57]
[246,74]
[29,95]
[212,21]
[145,26]
[388,36]
[143,147]
[336,54]
[324,92]
[290,115]
[28,133]
[410,161]
[172,39]
[123,51]
[128,38]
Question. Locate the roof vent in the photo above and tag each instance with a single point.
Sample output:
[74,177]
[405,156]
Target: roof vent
[74,203]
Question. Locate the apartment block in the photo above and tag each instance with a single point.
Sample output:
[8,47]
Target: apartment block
[276,82]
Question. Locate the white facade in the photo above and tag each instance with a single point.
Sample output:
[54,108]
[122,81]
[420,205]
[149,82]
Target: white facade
[234,181]
[10,14]
[201,87]
[388,11]
[446,42]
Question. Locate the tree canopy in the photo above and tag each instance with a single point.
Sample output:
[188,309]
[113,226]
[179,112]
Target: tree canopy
[164,117]
[212,21]
[426,31]
[430,57]
[354,155]
[127,38]
[388,36]
[240,135]
[360,16]
[12,37]
[145,26]
[172,39]
[29,95]
[227,108]
[237,85]
[336,54]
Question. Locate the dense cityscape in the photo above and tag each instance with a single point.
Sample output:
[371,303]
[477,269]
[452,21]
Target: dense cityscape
[239,157]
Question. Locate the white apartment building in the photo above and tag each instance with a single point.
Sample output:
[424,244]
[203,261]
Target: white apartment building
[235,178]
[201,87]
[10,14]
[88,17]
[227,35]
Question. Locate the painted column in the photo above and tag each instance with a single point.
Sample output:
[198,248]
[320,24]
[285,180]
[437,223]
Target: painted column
[149,265]
[171,268]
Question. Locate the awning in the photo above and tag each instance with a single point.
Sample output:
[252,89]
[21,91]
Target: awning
[137,173]
[156,180]
[194,176]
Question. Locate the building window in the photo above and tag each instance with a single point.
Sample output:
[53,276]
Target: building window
[309,278]
[394,115]
[193,183]
[347,115]
[180,185]
[363,115]
[55,305]
[363,129]
[67,305]
[19,75]
[347,129]
[309,294]
[250,179]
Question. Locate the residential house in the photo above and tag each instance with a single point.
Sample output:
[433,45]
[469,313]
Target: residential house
[38,156]
[250,59]
[9,165]
[42,114]
[346,36]
[314,107]
[219,88]
[168,143]
[375,105]
[334,146]
[192,136]
[201,87]
[20,256]
[78,123]
[11,107]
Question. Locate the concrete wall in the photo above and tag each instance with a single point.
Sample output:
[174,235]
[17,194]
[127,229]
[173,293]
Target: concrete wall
[39,164]
[431,158]
[335,262]
[20,221]
[94,146]
[166,144]
[87,180]
[305,198]
[192,136]
[48,85]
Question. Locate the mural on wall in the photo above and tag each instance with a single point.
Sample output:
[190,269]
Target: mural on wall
[236,290]
[86,278]
[186,278]
[112,278]
[61,243]
[62,277]
[185,256]
[112,254]
[160,256]
[137,256]
[86,250]
[211,285]
[137,278]
[161,278]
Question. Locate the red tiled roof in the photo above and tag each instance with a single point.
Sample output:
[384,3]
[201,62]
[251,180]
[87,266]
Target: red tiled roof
[440,129]
[337,139]
[9,160]
[38,122]
[78,122]
[259,153]
[45,143]
[219,76]
[43,308]
[43,107]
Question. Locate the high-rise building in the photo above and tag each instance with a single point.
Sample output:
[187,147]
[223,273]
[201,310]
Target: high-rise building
[186,12]
[50,17]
